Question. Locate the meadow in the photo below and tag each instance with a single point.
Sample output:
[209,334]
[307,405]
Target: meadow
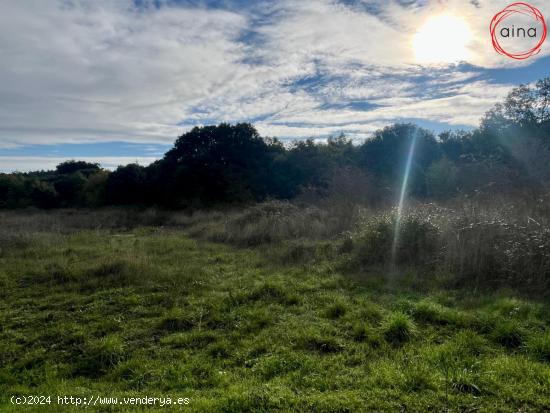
[275,307]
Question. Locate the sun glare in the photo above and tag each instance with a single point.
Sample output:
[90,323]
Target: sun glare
[442,39]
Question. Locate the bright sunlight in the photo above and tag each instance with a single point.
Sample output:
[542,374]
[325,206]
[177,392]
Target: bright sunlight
[442,39]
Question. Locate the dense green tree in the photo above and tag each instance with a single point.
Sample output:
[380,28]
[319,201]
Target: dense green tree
[69,188]
[385,155]
[69,167]
[223,163]
[524,106]
[94,191]
[127,185]
[12,191]
[43,194]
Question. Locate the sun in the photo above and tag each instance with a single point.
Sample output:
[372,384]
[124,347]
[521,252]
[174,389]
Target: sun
[442,39]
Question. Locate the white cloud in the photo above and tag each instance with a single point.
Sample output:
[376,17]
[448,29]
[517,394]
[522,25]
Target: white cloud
[80,71]
[109,71]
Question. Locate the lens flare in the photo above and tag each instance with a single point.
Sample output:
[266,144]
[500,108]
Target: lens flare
[402,196]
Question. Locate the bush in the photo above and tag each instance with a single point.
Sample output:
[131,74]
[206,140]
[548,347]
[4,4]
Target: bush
[417,241]
[498,251]
[441,179]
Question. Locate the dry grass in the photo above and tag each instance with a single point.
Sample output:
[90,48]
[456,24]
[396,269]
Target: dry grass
[479,245]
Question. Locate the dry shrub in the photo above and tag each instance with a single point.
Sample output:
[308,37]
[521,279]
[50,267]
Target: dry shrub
[501,252]
[488,246]
[417,241]
[480,247]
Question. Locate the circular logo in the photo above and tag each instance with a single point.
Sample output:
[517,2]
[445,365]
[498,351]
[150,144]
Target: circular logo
[518,33]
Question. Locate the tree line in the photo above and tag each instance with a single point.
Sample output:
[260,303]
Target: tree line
[225,164]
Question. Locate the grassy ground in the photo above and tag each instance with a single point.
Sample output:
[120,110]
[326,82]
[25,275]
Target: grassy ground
[152,312]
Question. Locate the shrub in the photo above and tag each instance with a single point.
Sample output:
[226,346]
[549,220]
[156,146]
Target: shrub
[417,241]
[498,251]
[441,179]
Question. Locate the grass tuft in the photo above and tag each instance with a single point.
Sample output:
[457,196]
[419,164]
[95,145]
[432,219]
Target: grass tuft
[427,311]
[336,310]
[100,355]
[270,292]
[176,320]
[322,342]
[539,346]
[508,333]
[398,328]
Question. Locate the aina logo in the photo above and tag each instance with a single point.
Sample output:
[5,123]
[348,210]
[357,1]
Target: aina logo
[518,31]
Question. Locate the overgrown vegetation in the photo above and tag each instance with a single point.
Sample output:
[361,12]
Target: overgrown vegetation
[470,245]
[134,310]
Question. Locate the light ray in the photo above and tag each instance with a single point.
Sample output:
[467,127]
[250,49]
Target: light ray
[401,204]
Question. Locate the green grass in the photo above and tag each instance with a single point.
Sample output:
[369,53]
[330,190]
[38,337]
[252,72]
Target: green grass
[152,312]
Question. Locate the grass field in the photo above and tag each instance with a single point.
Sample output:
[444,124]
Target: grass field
[151,311]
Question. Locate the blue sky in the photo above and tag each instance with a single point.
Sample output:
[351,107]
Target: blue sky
[117,81]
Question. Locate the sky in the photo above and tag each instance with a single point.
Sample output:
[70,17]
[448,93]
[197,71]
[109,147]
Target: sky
[118,81]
